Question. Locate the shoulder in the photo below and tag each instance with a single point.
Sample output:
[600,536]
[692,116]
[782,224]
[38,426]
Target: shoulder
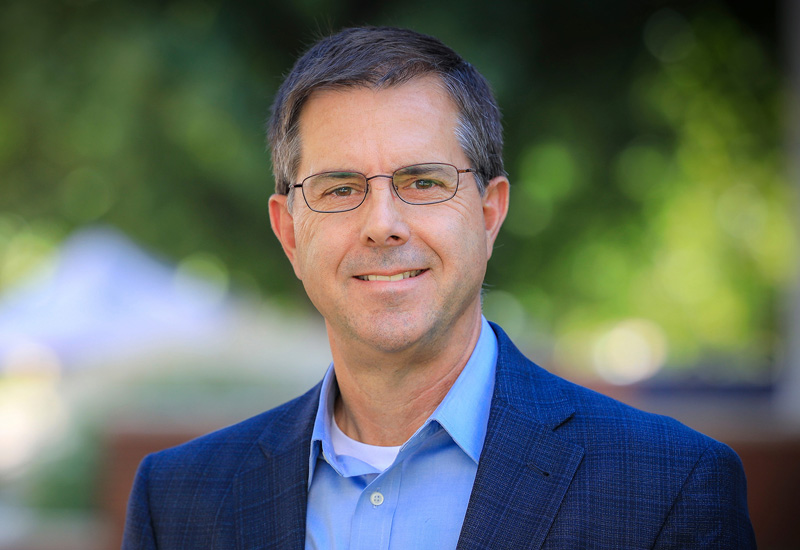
[189,492]
[607,430]
[222,452]
[613,433]
[678,487]
[616,422]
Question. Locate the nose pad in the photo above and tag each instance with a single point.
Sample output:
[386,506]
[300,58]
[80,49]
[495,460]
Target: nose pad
[390,178]
[392,191]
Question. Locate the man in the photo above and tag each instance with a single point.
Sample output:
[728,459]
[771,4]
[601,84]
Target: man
[430,429]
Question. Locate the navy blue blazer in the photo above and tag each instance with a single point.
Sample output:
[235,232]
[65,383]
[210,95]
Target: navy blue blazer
[562,467]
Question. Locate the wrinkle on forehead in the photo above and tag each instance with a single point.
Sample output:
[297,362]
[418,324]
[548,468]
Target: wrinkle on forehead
[390,143]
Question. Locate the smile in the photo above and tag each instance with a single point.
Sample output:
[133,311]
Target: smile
[396,277]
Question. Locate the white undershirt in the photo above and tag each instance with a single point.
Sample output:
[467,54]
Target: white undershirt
[374,455]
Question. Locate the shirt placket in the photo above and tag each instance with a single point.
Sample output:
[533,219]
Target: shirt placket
[371,527]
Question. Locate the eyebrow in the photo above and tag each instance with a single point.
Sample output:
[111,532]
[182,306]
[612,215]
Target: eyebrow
[425,167]
[338,174]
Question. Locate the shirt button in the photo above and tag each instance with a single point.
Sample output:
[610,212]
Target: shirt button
[376,498]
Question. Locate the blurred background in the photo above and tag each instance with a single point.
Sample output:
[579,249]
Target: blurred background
[650,252]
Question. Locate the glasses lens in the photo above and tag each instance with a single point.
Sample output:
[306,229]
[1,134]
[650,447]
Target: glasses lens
[334,191]
[426,183]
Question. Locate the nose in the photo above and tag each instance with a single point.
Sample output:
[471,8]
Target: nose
[383,224]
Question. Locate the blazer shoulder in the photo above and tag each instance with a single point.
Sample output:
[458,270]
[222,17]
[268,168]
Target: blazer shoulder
[674,486]
[589,418]
[193,492]
[229,446]
[619,423]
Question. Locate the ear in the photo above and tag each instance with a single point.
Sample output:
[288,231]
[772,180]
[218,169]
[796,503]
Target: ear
[495,208]
[282,223]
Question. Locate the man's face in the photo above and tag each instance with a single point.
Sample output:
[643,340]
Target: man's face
[443,246]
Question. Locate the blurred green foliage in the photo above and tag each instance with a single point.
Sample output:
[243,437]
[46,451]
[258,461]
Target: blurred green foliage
[643,145]
[67,479]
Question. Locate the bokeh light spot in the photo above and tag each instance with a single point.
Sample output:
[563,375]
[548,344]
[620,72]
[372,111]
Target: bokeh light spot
[630,352]
[668,36]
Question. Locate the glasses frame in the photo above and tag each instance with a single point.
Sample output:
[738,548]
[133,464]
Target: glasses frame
[459,171]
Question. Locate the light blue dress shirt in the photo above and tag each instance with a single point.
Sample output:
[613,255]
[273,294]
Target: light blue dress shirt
[420,500]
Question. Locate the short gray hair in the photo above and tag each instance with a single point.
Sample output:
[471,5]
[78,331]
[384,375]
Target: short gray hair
[380,57]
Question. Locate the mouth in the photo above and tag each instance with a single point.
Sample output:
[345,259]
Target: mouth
[396,277]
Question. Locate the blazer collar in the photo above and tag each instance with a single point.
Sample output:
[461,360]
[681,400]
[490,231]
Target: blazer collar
[525,467]
[528,388]
[524,471]
[271,488]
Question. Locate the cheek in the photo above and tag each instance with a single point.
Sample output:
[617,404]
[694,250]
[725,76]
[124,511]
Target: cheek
[468,231]
[305,238]
[318,247]
[459,240]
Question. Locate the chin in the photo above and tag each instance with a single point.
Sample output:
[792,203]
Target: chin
[393,341]
[394,333]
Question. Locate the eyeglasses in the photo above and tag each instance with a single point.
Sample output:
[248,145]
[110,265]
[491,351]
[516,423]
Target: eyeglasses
[429,183]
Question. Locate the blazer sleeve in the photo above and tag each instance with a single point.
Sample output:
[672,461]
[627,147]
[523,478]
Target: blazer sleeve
[711,509]
[138,533]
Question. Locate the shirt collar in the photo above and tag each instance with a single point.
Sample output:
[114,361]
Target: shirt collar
[321,436]
[463,413]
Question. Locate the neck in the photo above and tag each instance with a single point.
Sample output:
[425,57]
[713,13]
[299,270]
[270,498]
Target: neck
[385,397]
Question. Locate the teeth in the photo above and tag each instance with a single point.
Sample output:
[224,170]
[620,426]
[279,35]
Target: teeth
[397,277]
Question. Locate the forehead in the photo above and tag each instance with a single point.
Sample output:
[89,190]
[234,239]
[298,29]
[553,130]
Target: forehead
[368,129]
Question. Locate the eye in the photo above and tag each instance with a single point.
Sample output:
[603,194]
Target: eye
[423,184]
[343,191]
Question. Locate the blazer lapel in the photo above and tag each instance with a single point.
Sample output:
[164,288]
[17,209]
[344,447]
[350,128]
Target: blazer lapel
[525,468]
[524,472]
[271,489]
